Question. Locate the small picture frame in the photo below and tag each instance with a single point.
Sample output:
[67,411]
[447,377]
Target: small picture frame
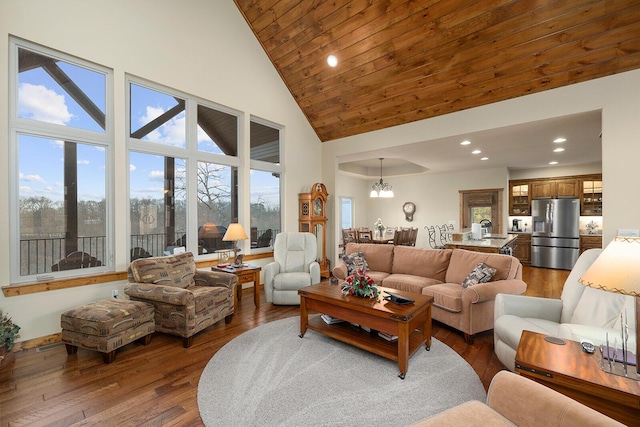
[238,260]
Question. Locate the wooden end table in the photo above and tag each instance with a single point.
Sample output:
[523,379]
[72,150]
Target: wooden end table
[411,323]
[574,373]
[246,274]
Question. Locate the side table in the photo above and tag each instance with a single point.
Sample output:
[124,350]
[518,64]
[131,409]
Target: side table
[574,373]
[246,274]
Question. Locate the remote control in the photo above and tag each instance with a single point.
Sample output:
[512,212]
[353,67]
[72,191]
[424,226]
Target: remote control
[588,347]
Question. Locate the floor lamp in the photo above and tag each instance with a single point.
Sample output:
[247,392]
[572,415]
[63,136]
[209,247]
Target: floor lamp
[617,269]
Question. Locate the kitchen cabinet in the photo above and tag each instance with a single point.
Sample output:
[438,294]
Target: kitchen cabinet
[554,188]
[590,242]
[591,198]
[523,248]
[519,201]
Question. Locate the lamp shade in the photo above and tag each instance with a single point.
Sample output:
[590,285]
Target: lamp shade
[235,232]
[617,269]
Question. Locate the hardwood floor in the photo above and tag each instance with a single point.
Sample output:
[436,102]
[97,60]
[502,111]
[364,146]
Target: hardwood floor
[156,385]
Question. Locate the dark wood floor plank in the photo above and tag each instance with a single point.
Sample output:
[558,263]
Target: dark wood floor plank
[156,385]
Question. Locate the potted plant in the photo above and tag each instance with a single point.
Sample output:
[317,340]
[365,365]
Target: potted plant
[8,334]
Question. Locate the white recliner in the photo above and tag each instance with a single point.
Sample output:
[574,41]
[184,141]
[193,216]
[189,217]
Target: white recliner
[581,313]
[294,267]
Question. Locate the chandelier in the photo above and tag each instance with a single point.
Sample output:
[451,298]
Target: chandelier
[381,189]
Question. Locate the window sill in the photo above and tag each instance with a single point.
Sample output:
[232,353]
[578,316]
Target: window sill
[54,285]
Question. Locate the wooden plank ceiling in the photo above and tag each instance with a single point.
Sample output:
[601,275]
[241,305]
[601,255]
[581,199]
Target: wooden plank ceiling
[404,60]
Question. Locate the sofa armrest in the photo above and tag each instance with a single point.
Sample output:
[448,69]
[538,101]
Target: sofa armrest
[314,271]
[216,278]
[270,271]
[160,293]
[340,271]
[525,306]
[487,291]
[524,402]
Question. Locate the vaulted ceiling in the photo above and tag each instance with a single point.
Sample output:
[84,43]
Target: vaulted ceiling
[407,60]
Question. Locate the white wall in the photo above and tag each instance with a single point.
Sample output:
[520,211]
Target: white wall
[200,47]
[617,96]
[435,196]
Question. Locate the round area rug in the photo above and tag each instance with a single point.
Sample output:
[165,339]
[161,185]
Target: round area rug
[269,376]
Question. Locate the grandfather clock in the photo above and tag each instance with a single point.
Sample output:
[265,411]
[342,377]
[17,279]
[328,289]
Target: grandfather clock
[313,219]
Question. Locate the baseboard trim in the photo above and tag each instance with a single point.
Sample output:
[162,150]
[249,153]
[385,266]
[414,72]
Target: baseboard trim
[37,342]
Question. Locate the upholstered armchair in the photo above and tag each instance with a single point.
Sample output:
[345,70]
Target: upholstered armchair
[186,300]
[294,267]
[581,313]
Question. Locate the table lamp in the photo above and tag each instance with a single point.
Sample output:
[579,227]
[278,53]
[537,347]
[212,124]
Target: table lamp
[617,269]
[234,233]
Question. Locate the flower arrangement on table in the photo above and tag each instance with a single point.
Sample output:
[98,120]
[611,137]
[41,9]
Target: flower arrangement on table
[379,226]
[360,284]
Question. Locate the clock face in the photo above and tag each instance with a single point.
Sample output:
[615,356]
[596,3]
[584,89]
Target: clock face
[409,207]
[317,207]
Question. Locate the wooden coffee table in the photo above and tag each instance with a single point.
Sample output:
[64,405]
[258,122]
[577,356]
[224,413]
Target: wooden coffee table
[411,323]
[574,373]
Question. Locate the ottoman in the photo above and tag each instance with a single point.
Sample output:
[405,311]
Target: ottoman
[107,325]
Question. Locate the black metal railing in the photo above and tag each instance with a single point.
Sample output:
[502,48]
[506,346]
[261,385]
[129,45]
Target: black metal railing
[38,255]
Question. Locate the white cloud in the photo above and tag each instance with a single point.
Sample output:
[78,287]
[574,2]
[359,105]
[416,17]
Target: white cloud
[132,167]
[156,175]
[31,178]
[40,103]
[171,132]
[83,162]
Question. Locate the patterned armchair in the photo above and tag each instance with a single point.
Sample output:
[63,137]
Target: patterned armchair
[186,300]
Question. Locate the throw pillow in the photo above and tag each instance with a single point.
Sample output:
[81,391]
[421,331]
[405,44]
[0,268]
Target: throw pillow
[355,261]
[482,273]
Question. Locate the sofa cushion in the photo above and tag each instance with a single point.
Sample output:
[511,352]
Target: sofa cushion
[598,308]
[431,263]
[379,257]
[463,261]
[447,296]
[174,270]
[355,261]
[471,413]
[291,281]
[377,276]
[481,274]
[408,283]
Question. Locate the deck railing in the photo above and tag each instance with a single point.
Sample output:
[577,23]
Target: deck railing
[37,255]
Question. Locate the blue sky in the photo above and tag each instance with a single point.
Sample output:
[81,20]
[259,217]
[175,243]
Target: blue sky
[42,99]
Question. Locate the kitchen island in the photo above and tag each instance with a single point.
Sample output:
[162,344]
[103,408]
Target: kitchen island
[490,243]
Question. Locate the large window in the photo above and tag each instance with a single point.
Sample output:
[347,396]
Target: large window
[60,147]
[183,172]
[266,171]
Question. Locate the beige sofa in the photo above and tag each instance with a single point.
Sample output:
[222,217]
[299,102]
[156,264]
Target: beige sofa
[440,273]
[515,400]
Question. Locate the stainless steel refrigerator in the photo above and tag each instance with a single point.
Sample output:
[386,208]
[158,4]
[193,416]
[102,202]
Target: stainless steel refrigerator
[555,238]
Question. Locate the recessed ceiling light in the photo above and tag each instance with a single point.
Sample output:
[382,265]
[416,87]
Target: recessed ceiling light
[553,163]
[332,60]
[484,158]
[476,152]
[558,140]
[465,142]
[558,150]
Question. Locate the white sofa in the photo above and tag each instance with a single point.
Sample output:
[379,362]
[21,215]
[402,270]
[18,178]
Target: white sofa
[581,313]
[294,267]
